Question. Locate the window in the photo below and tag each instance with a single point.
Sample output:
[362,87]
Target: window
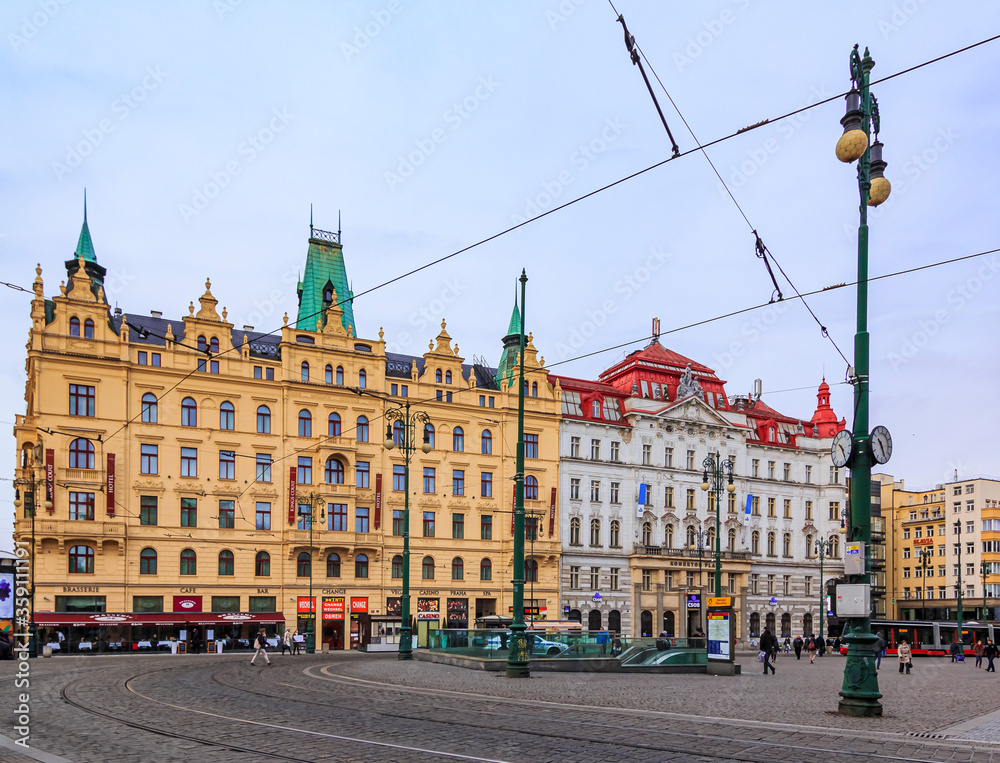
[429,479]
[595,450]
[262,564]
[263,420]
[530,571]
[647,455]
[338,517]
[531,446]
[328,374]
[74,326]
[227,563]
[227,416]
[147,561]
[754,589]
[668,457]
[732,503]
[189,412]
[189,512]
[616,451]
[595,532]
[305,424]
[147,509]
[788,509]
[263,518]
[574,489]
[689,503]
[486,485]
[427,568]
[457,569]
[574,447]
[755,468]
[305,471]
[437,376]
[770,470]
[647,534]
[595,490]
[263,467]
[834,510]
[189,462]
[361,432]
[487,442]
[614,579]
[189,562]
[616,534]
[340,375]
[574,577]
[81,506]
[809,511]
[457,525]
[647,580]
[81,454]
[534,389]
[429,434]
[333,425]
[305,371]
[809,475]
[770,507]
[397,522]
[486,570]
[458,440]
[81,400]
[362,379]
[668,497]
[334,472]
[361,520]
[486,528]
[787,472]
[531,488]
[227,464]
[755,543]
[362,470]
[574,532]
[258,372]
[786,545]
[834,475]
[397,567]
[398,477]
[149,408]
[227,515]
[690,460]
[458,482]
[615,489]
[755,506]
[428,525]
[81,560]
[303,565]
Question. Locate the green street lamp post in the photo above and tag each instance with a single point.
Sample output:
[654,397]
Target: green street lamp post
[925,563]
[403,436]
[958,532]
[31,505]
[717,470]
[313,501]
[984,570]
[822,547]
[860,694]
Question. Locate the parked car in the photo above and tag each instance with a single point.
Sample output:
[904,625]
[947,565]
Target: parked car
[540,647]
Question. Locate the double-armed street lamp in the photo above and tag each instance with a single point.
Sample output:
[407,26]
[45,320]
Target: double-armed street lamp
[400,432]
[822,548]
[30,488]
[984,570]
[313,501]
[926,563]
[958,532]
[714,478]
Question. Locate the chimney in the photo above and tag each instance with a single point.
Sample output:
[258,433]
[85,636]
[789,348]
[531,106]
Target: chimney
[156,313]
[248,328]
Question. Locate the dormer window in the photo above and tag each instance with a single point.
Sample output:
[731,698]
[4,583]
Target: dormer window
[770,434]
[595,409]
[328,293]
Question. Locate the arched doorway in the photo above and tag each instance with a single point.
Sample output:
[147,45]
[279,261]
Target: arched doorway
[575,616]
[786,624]
[807,623]
[646,623]
[594,620]
[614,621]
[668,623]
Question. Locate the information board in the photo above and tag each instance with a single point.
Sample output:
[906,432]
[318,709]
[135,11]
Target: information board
[719,634]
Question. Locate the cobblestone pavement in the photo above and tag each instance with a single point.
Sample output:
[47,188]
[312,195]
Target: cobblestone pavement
[347,707]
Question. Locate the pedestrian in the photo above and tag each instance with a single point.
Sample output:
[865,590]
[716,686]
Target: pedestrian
[261,644]
[768,646]
[905,656]
[811,647]
[797,646]
[195,641]
[879,650]
[286,641]
[786,647]
[298,641]
[990,652]
[978,651]
[954,651]
[602,640]
[616,645]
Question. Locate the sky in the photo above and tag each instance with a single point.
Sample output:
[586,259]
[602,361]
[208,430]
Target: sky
[204,130]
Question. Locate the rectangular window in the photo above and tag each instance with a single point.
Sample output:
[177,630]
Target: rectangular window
[531,528]
[668,497]
[595,490]
[574,578]
[398,478]
[360,520]
[616,451]
[486,485]
[595,450]
[755,506]
[81,400]
[787,476]
[143,358]
[574,489]
[786,585]
[429,479]
[668,580]
[149,459]
[155,359]
[530,445]
[689,502]
[263,467]
[227,464]
[788,508]
[755,468]
[147,510]
[770,507]
[809,585]
[404,390]
[189,512]
[491,402]
[458,482]
[647,455]
[486,528]
[754,583]
[834,510]
[428,524]
[305,470]
[834,475]
[690,460]
[361,472]
[189,462]
[647,580]
[770,470]
[614,579]
[227,515]
[770,585]
[397,522]
[574,447]
[614,492]
[809,511]
[595,578]
[809,475]
[263,603]
[394,390]
[458,525]
[263,516]
[668,457]
[338,517]
[970,505]
[689,580]
[258,372]
[81,506]
[269,374]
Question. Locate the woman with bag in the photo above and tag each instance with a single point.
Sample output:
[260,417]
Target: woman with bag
[905,656]
[768,646]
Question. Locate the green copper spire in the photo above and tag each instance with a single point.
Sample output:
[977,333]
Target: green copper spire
[324,276]
[511,347]
[84,246]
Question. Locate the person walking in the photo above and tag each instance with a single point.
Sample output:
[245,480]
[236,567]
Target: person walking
[298,641]
[602,640]
[811,647]
[905,656]
[286,642]
[797,646]
[879,650]
[978,651]
[768,645]
[954,650]
[261,645]
[990,652]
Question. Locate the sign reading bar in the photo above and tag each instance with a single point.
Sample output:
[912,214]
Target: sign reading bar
[720,601]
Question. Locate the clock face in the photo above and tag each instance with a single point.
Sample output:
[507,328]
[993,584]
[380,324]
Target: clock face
[843,447]
[881,444]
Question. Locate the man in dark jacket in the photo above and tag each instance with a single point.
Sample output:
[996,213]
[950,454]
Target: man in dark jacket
[797,646]
[990,653]
[768,645]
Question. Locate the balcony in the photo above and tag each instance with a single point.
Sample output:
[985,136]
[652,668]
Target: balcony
[641,550]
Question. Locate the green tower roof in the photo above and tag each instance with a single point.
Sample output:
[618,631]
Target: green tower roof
[324,270]
[84,246]
[511,347]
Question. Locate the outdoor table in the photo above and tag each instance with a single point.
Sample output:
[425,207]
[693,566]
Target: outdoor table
[84,646]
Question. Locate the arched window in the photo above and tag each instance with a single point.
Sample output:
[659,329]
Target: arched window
[361,432]
[786,624]
[262,564]
[690,541]
[189,412]
[755,542]
[189,562]
[807,623]
[457,569]
[334,471]
[305,423]
[340,375]
[333,566]
[531,488]
[810,551]
[769,621]
[214,346]
[594,620]
[771,551]
[437,376]
[74,326]
[647,534]
[202,343]
[731,540]
[615,621]
[88,329]
[397,433]
[149,408]
[429,435]
[328,374]
[711,538]
[754,624]
[333,425]
[834,546]
[786,545]
[81,559]
[574,531]
[486,570]
[305,371]
[397,567]
[668,536]
[303,565]
[362,379]
[595,532]
[263,420]
[147,561]
[227,563]
[447,377]
[361,566]
[616,534]
[458,439]
[81,454]
[427,568]
[487,442]
[227,416]
[530,571]
[595,409]
[534,389]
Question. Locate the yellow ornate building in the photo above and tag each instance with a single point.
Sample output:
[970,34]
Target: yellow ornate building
[170,471]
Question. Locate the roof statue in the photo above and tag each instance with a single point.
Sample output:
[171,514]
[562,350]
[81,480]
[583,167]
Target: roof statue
[688,385]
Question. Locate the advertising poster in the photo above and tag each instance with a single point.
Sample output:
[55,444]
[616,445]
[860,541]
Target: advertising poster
[719,635]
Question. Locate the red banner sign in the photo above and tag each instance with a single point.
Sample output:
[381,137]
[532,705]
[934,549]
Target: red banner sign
[513,506]
[552,513]
[50,479]
[333,607]
[378,501]
[358,605]
[109,486]
[291,495]
[305,605]
[187,604]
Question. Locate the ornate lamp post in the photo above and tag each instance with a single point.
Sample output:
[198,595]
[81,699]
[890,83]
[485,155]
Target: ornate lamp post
[313,501]
[699,542]
[984,570]
[712,479]
[822,547]
[860,694]
[925,563]
[404,438]
[31,505]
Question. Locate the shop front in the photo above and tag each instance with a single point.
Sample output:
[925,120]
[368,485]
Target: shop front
[333,610]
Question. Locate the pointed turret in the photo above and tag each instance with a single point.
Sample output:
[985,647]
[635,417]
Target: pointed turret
[824,420]
[324,282]
[84,256]
[511,349]
[84,245]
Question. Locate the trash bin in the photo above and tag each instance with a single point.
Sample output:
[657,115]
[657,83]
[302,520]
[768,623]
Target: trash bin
[47,650]
[326,648]
[218,647]
[173,647]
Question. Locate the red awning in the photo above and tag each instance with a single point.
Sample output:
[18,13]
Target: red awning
[49,619]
